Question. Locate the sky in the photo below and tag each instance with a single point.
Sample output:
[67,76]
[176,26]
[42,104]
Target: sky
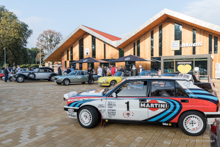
[116,17]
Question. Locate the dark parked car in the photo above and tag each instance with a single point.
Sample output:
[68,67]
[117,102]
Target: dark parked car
[204,85]
[43,73]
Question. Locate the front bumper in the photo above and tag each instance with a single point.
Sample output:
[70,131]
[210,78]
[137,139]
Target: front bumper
[71,111]
[103,83]
[212,114]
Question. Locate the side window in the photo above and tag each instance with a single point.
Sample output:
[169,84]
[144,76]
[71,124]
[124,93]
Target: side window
[133,88]
[162,88]
[41,70]
[180,92]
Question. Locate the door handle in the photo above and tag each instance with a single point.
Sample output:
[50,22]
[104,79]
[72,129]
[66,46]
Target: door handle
[185,101]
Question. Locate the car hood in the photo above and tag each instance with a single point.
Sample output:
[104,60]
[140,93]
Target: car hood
[87,94]
[109,77]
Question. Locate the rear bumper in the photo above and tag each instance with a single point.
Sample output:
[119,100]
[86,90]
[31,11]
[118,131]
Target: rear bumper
[212,114]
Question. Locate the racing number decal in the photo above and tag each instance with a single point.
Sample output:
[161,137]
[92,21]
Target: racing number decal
[128,113]
[127,103]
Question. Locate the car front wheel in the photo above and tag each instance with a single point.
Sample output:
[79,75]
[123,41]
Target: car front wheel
[52,78]
[66,82]
[20,79]
[112,83]
[192,123]
[31,75]
[88,117]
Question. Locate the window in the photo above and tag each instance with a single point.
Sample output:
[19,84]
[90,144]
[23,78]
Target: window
[162,88]
[133,88]
[71,53]
[68,54]
[215,45]
[178,36]
[210,44]
[65,64]
[152,43]
[138,47]
[93,47]
[80,66]
[81,52]
[104,50]
[194,41]
[134,49]
[160,40]
[180,92]
[121,53]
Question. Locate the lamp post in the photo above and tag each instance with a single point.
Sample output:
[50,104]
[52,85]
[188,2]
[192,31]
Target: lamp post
[5,56]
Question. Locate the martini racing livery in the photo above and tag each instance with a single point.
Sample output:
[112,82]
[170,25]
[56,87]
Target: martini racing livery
[167,100]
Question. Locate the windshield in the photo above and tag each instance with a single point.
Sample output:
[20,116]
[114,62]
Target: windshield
[118,74]
[145,73]
[112,87]
[73,73]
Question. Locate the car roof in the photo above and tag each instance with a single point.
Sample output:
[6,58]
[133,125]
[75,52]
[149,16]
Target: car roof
[157,78]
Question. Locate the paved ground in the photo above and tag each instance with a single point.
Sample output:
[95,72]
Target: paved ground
[31,114]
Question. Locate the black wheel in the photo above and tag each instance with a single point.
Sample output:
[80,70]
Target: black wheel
[66,82]
[113,82]
[52,78]
[58,83]
[3,78]
[31,75]
[20,79]
[88,117]
[11,79]
[83,82]
[192,123]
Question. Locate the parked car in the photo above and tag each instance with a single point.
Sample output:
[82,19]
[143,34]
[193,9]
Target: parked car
[74,77]
[2,74]
[170,101]
[149,73]
[204,85]
[111,80]
[43,73]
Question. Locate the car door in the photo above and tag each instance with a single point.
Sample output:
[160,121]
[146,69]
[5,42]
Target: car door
[43,74]
[162,105]
[79,76]
[126,105]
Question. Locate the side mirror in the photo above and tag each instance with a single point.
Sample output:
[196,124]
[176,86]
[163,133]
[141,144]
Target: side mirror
[114,95]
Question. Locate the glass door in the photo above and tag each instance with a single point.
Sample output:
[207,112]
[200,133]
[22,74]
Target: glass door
[184,66]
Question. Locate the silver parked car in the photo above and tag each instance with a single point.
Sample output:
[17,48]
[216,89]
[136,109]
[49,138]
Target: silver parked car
[43,73]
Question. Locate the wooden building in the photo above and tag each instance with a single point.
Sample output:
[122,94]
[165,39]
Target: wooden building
[169,39]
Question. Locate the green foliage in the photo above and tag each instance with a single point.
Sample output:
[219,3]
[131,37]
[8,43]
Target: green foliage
[34,65]
[25,66]
[13,35]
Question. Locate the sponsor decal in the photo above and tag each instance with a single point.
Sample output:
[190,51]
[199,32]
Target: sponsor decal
[101,106]
[111,112]
[128,58]
[128,114]
[111,104]
[79,77]
[154,105]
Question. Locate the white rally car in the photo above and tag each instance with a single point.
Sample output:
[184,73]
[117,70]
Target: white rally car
[166,100]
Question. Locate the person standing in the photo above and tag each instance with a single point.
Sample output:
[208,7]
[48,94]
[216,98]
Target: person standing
[116,69]
[105,71]
[121,69]
[112,70]
[13,71]
[68,70]
[90,73]
[72,69]
[99,72]
[59,71]
[134,71]
[141,68]
[6,72]
[18,69]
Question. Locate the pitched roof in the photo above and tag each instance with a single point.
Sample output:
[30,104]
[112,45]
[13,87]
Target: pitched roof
[110,37]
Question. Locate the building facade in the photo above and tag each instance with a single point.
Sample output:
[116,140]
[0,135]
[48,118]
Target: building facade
[172,41]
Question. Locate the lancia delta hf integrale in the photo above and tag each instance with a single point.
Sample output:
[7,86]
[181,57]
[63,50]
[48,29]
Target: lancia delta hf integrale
[168,100]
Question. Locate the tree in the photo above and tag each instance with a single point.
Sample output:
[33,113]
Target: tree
[13,36]
[48,40]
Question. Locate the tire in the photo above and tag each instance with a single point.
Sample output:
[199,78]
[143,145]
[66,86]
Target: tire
[66,82]
[11,79]
[20,79]
[58,83]
[113,82]
[88,112]
[192,123]
[31,75]
[3,78]
[52,78]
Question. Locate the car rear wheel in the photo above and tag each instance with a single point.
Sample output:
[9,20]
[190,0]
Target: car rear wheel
[31,75]
[2,78]
[66,82]
[52,78]
[192,123]
[88,117]
[113,82]
[20,79]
